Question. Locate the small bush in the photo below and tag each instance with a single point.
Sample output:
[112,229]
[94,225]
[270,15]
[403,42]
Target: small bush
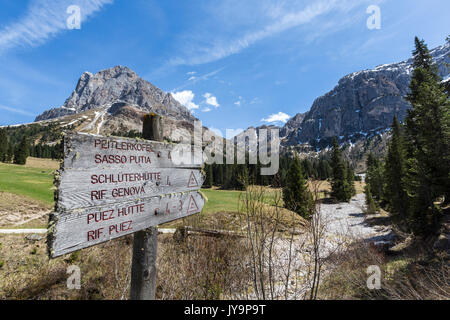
[74,257]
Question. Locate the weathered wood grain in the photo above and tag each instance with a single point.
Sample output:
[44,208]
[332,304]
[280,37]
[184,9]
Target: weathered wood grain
[77,229]
[87,188]
[145,242]
[86,151]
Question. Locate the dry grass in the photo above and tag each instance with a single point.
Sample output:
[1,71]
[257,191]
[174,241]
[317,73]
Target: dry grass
[347,275]
[359,186]
[325,187]
[27,273]
[17,210]
[202,267]
[410,276]
[42,163]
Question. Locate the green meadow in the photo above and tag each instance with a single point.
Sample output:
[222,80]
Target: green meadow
[220,200]
[36,183]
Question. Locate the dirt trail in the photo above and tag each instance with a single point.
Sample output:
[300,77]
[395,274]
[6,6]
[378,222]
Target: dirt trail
[17,210]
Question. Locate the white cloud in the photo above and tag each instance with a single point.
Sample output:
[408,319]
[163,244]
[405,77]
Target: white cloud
[277,117]
[238,103]
[17,110]
[211,100]
[186,98]
[194,80]
[207,109]
[44,19]
[190,73]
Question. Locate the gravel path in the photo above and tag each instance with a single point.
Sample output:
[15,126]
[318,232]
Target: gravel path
[22,231]
[348,220]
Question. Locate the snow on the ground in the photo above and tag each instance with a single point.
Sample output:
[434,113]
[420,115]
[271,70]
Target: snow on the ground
[91,125]
[71,123]
[99,126]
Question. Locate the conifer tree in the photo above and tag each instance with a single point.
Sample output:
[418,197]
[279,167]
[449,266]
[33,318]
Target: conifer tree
[10,153]
[3,145]
[240,177]
[21,152]
[371,208]
[395,175]
[296,195]
[340,189]
[374,176]
[351,180]
[208,176]
[307,168]
[428,142]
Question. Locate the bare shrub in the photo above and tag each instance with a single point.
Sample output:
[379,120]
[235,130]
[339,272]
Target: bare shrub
[347,276]
[280,262]
[422,280]
[106,271]
[406,277]
[317,231]
[104,274]
[201,267]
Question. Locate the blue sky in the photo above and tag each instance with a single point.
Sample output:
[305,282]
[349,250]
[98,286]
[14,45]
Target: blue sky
[235,63]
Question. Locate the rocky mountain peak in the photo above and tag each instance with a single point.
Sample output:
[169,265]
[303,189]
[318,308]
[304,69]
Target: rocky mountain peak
[118,84]
[361,104]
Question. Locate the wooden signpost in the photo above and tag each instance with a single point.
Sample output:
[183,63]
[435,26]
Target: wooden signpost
[109,187]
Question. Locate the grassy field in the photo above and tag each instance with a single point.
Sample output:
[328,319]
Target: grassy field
[221,200]
[34,180]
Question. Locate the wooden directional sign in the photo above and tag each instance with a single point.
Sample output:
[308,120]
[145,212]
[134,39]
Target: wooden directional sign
[93,188]
[109,187]
[91,152]
[89,226]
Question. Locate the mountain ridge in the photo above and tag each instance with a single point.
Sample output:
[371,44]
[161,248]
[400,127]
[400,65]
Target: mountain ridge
[362,103]
[118,84]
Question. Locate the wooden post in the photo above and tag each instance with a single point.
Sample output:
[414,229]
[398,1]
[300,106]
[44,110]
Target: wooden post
[145,243]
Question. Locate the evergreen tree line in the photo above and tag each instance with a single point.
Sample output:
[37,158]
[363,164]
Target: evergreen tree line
[296,195]
[413,181]
[127,133]
[18,152]
[46,133]
[10,152]
[45,151]
[237,176]
[343,177]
